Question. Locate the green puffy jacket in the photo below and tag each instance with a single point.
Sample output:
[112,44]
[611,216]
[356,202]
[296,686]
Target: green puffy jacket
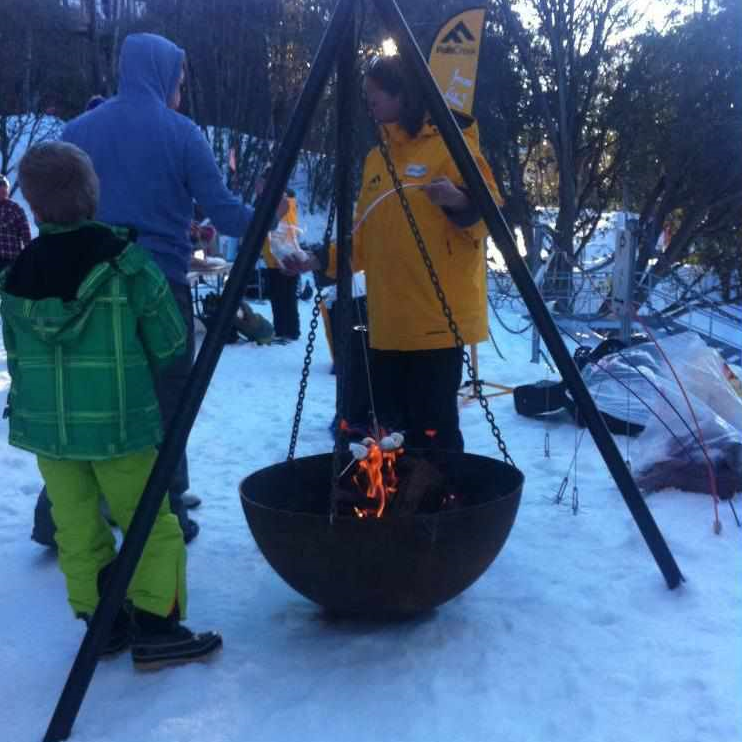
[82,368]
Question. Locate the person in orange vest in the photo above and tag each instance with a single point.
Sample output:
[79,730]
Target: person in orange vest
[282,287]
[416,367]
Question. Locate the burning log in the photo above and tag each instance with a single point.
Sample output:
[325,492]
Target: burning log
[421,486]
[346,501]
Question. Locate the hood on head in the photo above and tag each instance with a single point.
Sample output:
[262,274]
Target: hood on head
[149,66]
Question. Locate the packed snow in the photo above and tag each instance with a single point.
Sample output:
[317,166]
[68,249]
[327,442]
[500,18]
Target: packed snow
[571,635]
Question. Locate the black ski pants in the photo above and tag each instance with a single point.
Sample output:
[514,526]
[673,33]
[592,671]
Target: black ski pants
[416,392]
[348,350]
[284,303]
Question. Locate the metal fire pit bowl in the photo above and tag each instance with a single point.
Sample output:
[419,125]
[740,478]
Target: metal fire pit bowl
[389,567]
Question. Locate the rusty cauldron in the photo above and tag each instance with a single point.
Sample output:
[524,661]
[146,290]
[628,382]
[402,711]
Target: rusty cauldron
[390,567]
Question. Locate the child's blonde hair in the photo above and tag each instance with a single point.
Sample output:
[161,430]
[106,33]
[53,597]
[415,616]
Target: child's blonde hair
[59,182]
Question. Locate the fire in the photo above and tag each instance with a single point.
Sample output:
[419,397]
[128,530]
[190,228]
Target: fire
[377,476]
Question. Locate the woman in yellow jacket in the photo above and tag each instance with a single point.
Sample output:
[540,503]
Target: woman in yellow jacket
[416,368]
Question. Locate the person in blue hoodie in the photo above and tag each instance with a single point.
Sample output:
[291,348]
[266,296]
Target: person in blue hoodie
[153,163]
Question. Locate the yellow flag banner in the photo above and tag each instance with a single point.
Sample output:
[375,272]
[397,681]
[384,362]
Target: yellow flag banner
[454,57]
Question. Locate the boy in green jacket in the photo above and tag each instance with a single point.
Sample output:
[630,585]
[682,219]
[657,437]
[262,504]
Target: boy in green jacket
[88,318]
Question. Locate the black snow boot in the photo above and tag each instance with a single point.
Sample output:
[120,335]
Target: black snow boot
[43,525]
[122,629]
[161,642]
[120,636]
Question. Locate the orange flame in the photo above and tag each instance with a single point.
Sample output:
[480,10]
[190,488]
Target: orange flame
[378,471]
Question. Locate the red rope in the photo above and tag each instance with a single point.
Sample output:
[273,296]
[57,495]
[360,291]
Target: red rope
[709,464]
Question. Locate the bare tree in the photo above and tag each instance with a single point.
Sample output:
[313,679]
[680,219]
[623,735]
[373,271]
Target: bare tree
[510,128]
[680,110]
[18,132]
[572,58]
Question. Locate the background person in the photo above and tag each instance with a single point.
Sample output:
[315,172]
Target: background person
[282,286]
[15,233]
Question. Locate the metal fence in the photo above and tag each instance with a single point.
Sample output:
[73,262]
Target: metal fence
[586,306]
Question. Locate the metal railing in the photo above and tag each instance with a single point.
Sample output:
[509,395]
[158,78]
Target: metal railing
[588,300]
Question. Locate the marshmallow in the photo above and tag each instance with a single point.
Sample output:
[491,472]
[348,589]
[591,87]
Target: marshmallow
[358,450]
[391,442]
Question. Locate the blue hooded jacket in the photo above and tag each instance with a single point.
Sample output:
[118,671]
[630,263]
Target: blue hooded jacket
[152,161]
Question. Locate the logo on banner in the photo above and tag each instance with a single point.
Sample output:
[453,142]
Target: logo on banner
[454,56]
[453,42]
[455,34]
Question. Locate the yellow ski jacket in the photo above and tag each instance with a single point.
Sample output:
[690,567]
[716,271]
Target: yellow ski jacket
[404,311]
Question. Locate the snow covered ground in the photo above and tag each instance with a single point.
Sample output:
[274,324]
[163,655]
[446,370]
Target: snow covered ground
[570,636]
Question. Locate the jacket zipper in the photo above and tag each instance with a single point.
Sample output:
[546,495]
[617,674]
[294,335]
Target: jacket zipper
[119,353]
[59,373]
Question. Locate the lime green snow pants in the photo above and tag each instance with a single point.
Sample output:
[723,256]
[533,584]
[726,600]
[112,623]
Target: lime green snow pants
[86,543]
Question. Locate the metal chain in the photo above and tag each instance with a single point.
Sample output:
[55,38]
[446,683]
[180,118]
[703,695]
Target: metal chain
[314,323]
[311,337]
[327,237]
[476,383]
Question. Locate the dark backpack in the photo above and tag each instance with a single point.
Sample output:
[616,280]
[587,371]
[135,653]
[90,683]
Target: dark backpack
[306,293]
[210,307]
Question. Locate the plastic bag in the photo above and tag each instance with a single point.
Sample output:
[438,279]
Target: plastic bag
[284,243]
[683,435]
[622,384]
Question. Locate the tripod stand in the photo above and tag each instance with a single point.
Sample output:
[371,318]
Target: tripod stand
[467,392]
[337,46]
